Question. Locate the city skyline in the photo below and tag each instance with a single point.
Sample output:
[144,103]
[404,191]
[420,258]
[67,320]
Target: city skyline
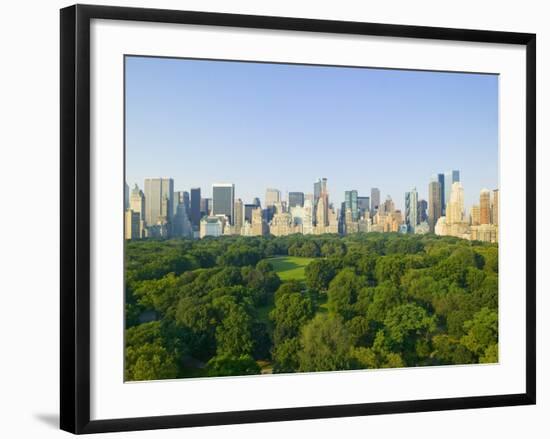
[387,129]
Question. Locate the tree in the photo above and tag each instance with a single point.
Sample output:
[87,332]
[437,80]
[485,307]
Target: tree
[325,345]
[227,365]
[319,273]
[149,361]
[343,291]
[291,311]
[482,333]
[234,333]
[285,356]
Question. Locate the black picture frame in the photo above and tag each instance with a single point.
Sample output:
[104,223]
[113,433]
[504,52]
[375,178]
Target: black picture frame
[75,217]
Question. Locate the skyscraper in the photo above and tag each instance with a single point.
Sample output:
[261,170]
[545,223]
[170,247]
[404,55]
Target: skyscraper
[475,215]
[422,211]
[485,207]
[434,203]
[272,197]
[450,178]
[295,199]
[441,180]
[223,200]
[411,209]
[159,193]
[351,204]
[196,207]
[374,199]
[137,202]
[239,214]
[126,196]
[248,208]
[455,205]
[363,204]
[187,203]
[131,225]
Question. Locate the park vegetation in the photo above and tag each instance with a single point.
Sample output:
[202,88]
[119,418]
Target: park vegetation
[217,306]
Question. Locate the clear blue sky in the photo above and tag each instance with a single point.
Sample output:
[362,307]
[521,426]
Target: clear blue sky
[284,126]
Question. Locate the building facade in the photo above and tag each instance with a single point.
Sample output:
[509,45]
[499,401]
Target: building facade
[223,201]
[159,193]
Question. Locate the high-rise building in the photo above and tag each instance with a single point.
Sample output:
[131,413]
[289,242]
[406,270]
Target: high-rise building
[351,204]
[485,207]
[132,222]
[450,178]
[434,203]
[256,202]
[441,180]
[295,199]
[239,215]
[455,205]
[223,201]
[181,225]
[248,212]
[272,197]
[137,202]
[363,204]
[159,193]
[206,206]
[187,203]
[196,207]
[422,211]
[475,215]
[411,210]
[494,212]
[126,196]
[374,200]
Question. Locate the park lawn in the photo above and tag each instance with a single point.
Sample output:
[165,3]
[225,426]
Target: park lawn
[290,267]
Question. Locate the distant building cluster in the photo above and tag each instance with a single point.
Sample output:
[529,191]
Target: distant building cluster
[161,212]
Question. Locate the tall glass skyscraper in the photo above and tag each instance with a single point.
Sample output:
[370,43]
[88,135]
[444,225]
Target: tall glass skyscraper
[223,200]
[411,209]
[351,204]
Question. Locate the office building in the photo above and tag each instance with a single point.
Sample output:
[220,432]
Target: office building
[374,200]
[475,215]
[195,207]
[422,211]
[295,199]
[272,197]
[450,178]
[126,196]
[441,179]
[159,193]
[411,210]
[363,204]
[434,203]
[223,201]
[137,202]
[351,204]
[455,205]
[132,223]
[485,207]
[239,215]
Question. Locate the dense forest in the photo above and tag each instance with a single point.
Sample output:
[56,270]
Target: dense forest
[217,307]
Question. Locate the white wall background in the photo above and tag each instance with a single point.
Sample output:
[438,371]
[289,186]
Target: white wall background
[29,187]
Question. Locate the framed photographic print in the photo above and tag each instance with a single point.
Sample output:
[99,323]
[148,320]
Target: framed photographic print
[272,218]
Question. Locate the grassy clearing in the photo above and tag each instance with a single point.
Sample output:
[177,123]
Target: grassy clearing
[290,267]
